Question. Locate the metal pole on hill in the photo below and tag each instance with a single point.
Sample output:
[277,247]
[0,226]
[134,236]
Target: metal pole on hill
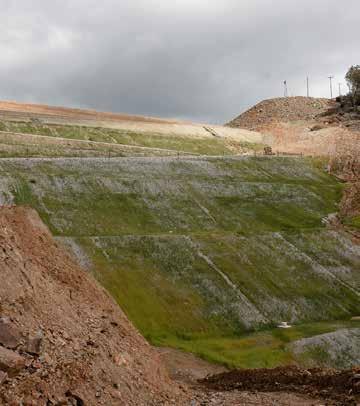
[285,89]
[307,87]
[331,89]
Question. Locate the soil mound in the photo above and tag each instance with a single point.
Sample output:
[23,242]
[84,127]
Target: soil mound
[63,341]
[343,387]
[285,109]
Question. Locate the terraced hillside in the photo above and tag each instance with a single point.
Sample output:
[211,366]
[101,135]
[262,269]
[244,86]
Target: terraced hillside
[34,138]
[199,251]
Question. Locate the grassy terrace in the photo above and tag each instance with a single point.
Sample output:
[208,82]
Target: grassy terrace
[203,146]
[203,254]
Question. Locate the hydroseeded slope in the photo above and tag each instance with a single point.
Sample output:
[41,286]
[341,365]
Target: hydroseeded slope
[199,246]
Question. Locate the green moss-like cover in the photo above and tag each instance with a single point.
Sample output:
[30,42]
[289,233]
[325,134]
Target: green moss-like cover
[199,252]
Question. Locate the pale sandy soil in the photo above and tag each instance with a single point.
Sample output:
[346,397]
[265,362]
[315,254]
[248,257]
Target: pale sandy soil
[61,115]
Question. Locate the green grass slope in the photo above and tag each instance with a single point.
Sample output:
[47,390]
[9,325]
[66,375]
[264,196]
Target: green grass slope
[200,251]
[118,137]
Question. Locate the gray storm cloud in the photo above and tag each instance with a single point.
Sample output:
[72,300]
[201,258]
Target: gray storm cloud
[199,60]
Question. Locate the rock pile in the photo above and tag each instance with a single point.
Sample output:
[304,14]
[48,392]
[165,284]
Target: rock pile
[285,109]
[63,341]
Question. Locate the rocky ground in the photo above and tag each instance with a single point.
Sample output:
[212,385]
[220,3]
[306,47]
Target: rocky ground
[215,385]
[335,387]
[305,125]
[63,341]
[281,110]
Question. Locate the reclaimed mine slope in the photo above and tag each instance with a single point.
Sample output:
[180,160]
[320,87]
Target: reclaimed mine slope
[202,249]
[88,118]
[63,341]
[30,139]
[62,338]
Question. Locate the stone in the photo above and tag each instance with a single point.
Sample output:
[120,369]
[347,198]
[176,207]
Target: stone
[284,324]
[34,344]
[3,377]
[11,362]
[10,336]
[116,394]
[76,398]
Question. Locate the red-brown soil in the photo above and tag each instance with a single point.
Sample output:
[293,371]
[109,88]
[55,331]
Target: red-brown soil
[185,367]
[63,341]
[39,110]
[338,387]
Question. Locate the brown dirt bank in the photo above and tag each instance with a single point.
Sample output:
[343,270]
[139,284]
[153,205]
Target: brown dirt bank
[338,387]
[62,338]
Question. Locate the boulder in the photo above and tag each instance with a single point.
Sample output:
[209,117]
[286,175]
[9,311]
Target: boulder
[34,343]
[11,362]
[10,336]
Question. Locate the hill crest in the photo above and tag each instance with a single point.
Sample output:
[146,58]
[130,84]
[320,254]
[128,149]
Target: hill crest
[284,109]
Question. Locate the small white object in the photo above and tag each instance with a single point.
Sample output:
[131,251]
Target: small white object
[284,324]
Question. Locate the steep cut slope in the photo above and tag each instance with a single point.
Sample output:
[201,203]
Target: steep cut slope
[283,109]
[62,339]
[200,247]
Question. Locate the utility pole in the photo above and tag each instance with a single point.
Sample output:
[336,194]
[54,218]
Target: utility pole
[307,87]
[331,89]
[285,89]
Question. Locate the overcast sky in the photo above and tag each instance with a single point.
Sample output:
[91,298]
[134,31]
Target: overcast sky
[203,60]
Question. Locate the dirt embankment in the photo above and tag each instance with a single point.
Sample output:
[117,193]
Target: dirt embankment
[347,168]
[337,387]
[305,125]
[63,341]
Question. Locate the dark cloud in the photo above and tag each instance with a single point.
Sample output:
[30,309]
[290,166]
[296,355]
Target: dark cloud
[205,60]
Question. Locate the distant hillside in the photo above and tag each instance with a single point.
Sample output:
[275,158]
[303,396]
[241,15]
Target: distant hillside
[72,113]
[280,109]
